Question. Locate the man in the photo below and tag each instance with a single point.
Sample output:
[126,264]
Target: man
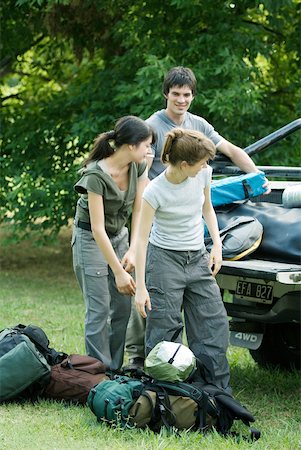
[179,89]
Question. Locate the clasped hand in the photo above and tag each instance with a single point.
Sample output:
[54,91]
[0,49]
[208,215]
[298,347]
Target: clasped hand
[124,281]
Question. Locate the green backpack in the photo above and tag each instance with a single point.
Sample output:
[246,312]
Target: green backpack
[193,406]
[142,401]
[111,400]
[22,365]
[25,362]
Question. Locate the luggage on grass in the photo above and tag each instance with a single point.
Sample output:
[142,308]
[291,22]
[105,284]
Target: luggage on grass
[41,341]
[111,400]
[72,379]
[192,406]
[24,370]
[144,402]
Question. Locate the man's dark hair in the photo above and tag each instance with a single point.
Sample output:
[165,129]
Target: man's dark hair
[179,76]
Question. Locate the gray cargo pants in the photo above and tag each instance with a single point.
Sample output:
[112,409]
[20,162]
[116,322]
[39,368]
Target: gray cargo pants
[134,343]
[181,280]
[107,311]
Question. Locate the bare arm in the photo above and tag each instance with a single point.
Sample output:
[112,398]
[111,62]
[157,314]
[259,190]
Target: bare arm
[209,215]
[128,259]
[240,159]
[238,156]
[142,297]
[124,282]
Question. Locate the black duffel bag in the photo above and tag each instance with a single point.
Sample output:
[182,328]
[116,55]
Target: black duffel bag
[281,228]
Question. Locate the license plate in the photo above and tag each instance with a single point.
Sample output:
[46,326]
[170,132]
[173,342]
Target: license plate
[256,291]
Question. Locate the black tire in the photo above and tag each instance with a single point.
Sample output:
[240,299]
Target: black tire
[280,347]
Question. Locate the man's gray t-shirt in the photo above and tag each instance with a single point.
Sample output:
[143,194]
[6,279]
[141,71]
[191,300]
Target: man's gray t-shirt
[162,124]
[178,221]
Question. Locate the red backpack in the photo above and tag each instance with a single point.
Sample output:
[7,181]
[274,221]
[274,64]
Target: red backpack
[72,379]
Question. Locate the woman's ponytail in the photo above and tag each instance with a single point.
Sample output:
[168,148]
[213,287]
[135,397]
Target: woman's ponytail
[129,130]
[169,149]
[186,145]
[102,147]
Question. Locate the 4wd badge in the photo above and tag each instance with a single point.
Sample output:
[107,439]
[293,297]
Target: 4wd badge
[246,339]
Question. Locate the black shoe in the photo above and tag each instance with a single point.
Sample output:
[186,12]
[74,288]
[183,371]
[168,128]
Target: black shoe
[136,363]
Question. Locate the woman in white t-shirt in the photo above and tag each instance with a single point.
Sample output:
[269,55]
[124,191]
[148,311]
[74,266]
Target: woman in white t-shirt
[174,272]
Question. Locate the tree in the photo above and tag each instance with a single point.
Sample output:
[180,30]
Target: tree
[69,69]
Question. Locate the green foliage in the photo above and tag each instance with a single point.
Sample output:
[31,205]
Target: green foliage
[69,69]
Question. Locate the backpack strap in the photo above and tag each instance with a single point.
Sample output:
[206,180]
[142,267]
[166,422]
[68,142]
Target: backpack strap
[176,333]
[248,191]
[185,390]
[201,398]
[162,411]
[155,420]
[41,341]
[167,416]
[35,334]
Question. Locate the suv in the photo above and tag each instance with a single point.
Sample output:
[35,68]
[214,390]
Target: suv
[265,299]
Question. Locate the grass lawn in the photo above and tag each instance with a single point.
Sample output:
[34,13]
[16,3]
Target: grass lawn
[37,285]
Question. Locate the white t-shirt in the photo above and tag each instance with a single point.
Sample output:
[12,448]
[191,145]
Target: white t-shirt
[178,221]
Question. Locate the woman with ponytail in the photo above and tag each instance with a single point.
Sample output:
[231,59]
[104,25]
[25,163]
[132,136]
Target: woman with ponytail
[112,180]
[174,272]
